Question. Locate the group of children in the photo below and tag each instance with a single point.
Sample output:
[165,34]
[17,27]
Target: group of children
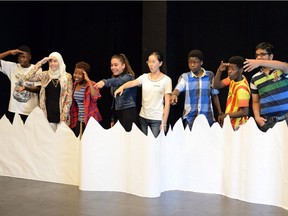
[63,100]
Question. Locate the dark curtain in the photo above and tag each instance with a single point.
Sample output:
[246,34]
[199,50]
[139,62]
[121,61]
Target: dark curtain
[221,30]
[79,31]
[94,31]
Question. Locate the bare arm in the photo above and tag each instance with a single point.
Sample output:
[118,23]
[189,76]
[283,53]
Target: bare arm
[174,97]
[4,54]
[35,89]
[166,111]
[92,88]
[217,103]
[218,83]
[10,52]
[244,111]
[251,64]
[256,110]
[100,84]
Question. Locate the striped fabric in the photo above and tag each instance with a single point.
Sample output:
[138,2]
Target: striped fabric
[238,96]
[90,106]
[79,98]
[273,92]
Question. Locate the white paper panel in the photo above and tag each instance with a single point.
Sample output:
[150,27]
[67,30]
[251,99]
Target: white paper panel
[34,151]
[247,164]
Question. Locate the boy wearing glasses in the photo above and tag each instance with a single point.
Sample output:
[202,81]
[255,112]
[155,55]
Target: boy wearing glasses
[237,105]
[197,85]
[269,87]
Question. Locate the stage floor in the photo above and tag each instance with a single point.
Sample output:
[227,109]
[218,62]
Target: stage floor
[21,197]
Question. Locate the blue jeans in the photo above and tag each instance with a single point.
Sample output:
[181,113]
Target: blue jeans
[153,124]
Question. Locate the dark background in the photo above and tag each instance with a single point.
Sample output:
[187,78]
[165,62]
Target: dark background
[94,31]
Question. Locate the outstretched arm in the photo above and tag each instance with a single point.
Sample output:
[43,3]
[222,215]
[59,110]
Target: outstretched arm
[100,84]
[129,84]
[114,81]
[251,64]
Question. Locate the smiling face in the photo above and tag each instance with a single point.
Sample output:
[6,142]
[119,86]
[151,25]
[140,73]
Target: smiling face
[24,59]
[53,63]
[78,75]
[117,67]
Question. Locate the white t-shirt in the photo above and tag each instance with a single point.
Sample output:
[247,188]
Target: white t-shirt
[20,102]
[153,92]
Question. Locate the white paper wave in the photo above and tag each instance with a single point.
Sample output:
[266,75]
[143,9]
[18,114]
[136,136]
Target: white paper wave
[246,164]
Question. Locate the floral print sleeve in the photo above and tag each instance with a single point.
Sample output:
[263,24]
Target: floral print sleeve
[66,99]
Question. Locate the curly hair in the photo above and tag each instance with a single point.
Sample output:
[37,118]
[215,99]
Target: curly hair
[83,65]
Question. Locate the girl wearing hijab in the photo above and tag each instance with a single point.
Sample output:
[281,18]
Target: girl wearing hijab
[56,89]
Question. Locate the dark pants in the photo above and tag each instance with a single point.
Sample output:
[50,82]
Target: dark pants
[79,129]
[10,116]
[271,121]
[126,117]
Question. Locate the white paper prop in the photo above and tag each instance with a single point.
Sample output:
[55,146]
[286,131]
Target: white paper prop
[246,164]
[34,151]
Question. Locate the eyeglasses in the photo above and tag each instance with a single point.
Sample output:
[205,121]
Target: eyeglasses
[261,54]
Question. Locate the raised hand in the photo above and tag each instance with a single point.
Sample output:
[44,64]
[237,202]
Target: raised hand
[16,51]
[223,66]
[85,76]
[43,61]
[251,64]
